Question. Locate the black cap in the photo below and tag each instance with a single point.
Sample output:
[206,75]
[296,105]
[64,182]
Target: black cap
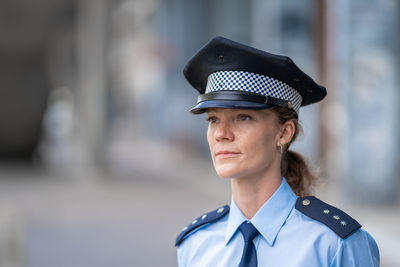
[228,74]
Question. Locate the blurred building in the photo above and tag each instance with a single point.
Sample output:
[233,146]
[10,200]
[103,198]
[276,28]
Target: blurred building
[97,85]
[89,83]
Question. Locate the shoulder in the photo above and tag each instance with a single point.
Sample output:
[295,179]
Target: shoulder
[201,221]
[358,249]
[342,224]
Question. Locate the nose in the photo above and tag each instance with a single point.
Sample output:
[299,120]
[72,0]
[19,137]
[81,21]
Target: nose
[223,132]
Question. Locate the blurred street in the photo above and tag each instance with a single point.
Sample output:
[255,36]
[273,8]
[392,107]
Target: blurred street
[123,221]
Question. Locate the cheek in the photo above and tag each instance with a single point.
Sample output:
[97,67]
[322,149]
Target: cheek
[210,139]
[261,147]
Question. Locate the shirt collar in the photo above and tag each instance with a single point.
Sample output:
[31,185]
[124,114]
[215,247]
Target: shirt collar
[269,218]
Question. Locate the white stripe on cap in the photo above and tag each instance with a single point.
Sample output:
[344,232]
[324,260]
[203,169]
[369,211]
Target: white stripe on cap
[254,83]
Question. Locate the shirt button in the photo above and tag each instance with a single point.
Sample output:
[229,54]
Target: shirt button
[306,202]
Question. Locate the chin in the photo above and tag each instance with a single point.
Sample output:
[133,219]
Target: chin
[226,173]
[223,176]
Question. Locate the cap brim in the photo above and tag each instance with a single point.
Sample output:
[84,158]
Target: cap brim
[233,104]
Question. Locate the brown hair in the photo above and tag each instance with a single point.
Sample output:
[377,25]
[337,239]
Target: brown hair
[293,166]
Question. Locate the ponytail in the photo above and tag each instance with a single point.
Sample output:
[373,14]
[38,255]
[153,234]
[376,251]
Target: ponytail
[297,173]
[293,166]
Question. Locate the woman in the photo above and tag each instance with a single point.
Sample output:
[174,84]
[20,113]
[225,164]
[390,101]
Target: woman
[252,100]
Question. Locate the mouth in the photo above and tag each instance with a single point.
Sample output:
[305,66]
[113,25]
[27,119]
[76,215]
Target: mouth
[226,154]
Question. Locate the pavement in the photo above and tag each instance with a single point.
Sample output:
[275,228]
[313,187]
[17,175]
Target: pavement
[99,219]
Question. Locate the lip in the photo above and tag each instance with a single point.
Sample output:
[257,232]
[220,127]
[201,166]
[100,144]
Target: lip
[226,154]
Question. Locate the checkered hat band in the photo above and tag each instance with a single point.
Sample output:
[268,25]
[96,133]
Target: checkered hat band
[254,83]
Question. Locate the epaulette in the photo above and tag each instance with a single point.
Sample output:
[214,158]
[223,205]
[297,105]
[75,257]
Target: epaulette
[209,217]
[338,221]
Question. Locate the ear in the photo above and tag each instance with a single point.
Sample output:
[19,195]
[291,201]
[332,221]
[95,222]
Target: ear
[287,132]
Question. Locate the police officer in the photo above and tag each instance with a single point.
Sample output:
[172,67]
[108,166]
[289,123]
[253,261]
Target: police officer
[252,100]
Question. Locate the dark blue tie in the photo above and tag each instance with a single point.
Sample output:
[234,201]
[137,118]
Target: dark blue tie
[249,256]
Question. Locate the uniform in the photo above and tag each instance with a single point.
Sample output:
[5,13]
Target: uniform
[293,232]
[287,230]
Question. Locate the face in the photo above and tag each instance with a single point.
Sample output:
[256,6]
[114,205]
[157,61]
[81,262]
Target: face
[242,142]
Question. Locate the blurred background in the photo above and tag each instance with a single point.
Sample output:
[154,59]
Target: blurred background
[101,163]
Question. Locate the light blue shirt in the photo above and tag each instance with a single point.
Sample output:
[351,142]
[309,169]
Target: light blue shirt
[287,238]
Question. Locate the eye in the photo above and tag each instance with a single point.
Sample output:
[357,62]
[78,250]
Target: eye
[211,119]
[244,117]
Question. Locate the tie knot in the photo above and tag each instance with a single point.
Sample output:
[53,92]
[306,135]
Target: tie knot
[248,231]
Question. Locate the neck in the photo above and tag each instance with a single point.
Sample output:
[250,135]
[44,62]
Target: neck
[250,193]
